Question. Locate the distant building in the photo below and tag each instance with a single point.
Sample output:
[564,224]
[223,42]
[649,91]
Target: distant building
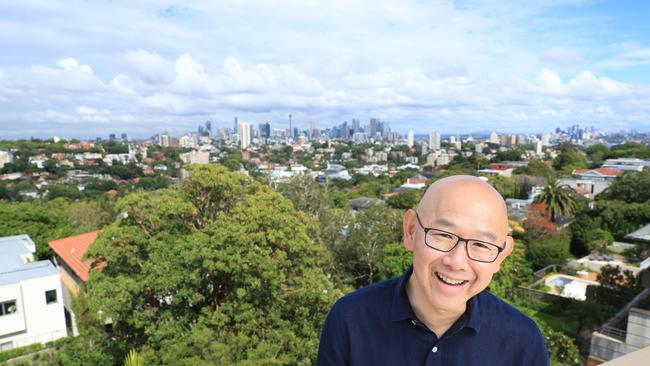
[434,140]
[600,174]
[410,139]
[494,138]
[636,165]
[418,181]
[244,135]
[31,296]
[196,157]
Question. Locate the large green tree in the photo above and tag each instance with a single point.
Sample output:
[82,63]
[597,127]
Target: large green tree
[629,187]
[217,270]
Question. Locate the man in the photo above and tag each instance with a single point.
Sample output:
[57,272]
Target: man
[438,313]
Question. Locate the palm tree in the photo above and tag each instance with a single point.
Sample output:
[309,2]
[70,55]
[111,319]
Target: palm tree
[560,199]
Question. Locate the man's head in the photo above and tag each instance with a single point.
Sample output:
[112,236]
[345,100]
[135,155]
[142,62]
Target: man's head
[470,208]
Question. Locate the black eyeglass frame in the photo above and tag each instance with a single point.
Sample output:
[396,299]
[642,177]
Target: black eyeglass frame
[458,240]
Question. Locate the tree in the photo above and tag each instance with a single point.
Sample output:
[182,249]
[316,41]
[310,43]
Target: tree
[539,168]
[504,185]
[219,269]
[545,244]
[559,199]
[42,221]
[629,187]
[568,160]
[515,271]
[396,260]
[587,234]
[617,287]
[406,200]
[359,253]
[305,194]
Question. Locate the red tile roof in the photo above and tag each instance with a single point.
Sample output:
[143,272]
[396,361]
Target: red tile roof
[72,249]
[602,171]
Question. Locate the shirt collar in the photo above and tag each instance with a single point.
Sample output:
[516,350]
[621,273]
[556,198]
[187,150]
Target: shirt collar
[401,307]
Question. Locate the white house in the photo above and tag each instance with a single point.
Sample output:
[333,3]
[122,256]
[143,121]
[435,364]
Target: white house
[31,297]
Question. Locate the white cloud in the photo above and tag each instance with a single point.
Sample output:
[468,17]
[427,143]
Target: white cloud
[150,67]
[561,56]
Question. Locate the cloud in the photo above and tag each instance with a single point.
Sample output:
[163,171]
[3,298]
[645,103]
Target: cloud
[561,56]
[150,67]
[457,65]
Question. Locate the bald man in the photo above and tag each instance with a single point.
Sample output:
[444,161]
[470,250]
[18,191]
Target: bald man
[439,311]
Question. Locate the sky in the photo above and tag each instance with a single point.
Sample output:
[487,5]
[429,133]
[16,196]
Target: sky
[90,68]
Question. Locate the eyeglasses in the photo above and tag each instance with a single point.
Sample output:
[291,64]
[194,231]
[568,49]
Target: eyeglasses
[445,241]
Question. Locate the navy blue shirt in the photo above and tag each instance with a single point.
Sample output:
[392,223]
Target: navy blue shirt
[376,325]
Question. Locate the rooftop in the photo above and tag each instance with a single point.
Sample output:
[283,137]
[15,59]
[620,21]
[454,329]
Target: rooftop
[15,251]
[17,260]
[72,249]
[642,235]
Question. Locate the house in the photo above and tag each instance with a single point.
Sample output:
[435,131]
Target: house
[69,258]
[628,331]
[636,165]
[31,296]
[600,174]
[418,181]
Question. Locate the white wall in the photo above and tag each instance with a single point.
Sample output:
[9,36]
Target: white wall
[42,322]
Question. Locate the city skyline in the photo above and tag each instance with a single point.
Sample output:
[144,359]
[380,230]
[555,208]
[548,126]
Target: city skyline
[91,69]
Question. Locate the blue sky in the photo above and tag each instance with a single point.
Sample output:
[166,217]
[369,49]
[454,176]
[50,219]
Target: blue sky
[90,68]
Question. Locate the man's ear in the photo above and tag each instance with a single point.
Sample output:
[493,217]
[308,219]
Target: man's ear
[510,245]
[408,227]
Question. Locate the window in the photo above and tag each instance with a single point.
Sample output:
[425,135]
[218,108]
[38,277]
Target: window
[50,296]
[8,307]
[6,346]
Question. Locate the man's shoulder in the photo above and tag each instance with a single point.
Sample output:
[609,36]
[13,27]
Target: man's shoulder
[375,296]
[498,313]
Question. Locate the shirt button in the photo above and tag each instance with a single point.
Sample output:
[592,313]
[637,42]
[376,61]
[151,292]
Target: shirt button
[434,350]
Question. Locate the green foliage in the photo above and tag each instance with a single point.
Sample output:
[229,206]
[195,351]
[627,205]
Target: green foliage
[568,160]
[629,187]
[133,358]
[219,269]
[616,288]
[543,249]
[515,271]
[114,147]
[629,150]
[338,199]
[596,154]
[405,200]
[514,154]
[42,221]
[20,351]
[396,260]
[153,183]
[305,194]
[587,234]
[91,347]
[538,168]
[621,218]
[359,251]
[504,185]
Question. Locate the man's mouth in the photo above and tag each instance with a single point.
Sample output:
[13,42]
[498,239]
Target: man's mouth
[449,281]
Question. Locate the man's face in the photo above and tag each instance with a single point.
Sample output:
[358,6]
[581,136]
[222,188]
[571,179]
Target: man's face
[446,281]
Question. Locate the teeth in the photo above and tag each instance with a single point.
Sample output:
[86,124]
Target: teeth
[449,281]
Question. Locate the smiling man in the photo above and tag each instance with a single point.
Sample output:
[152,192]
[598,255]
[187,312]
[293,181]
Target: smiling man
[438,312]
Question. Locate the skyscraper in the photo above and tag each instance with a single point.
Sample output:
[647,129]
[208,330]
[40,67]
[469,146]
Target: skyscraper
[208,127]
[410,139]
[236,129]
[434,140]
[244,135]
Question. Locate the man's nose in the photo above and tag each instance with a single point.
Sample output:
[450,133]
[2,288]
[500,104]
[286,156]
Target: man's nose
[457,258]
